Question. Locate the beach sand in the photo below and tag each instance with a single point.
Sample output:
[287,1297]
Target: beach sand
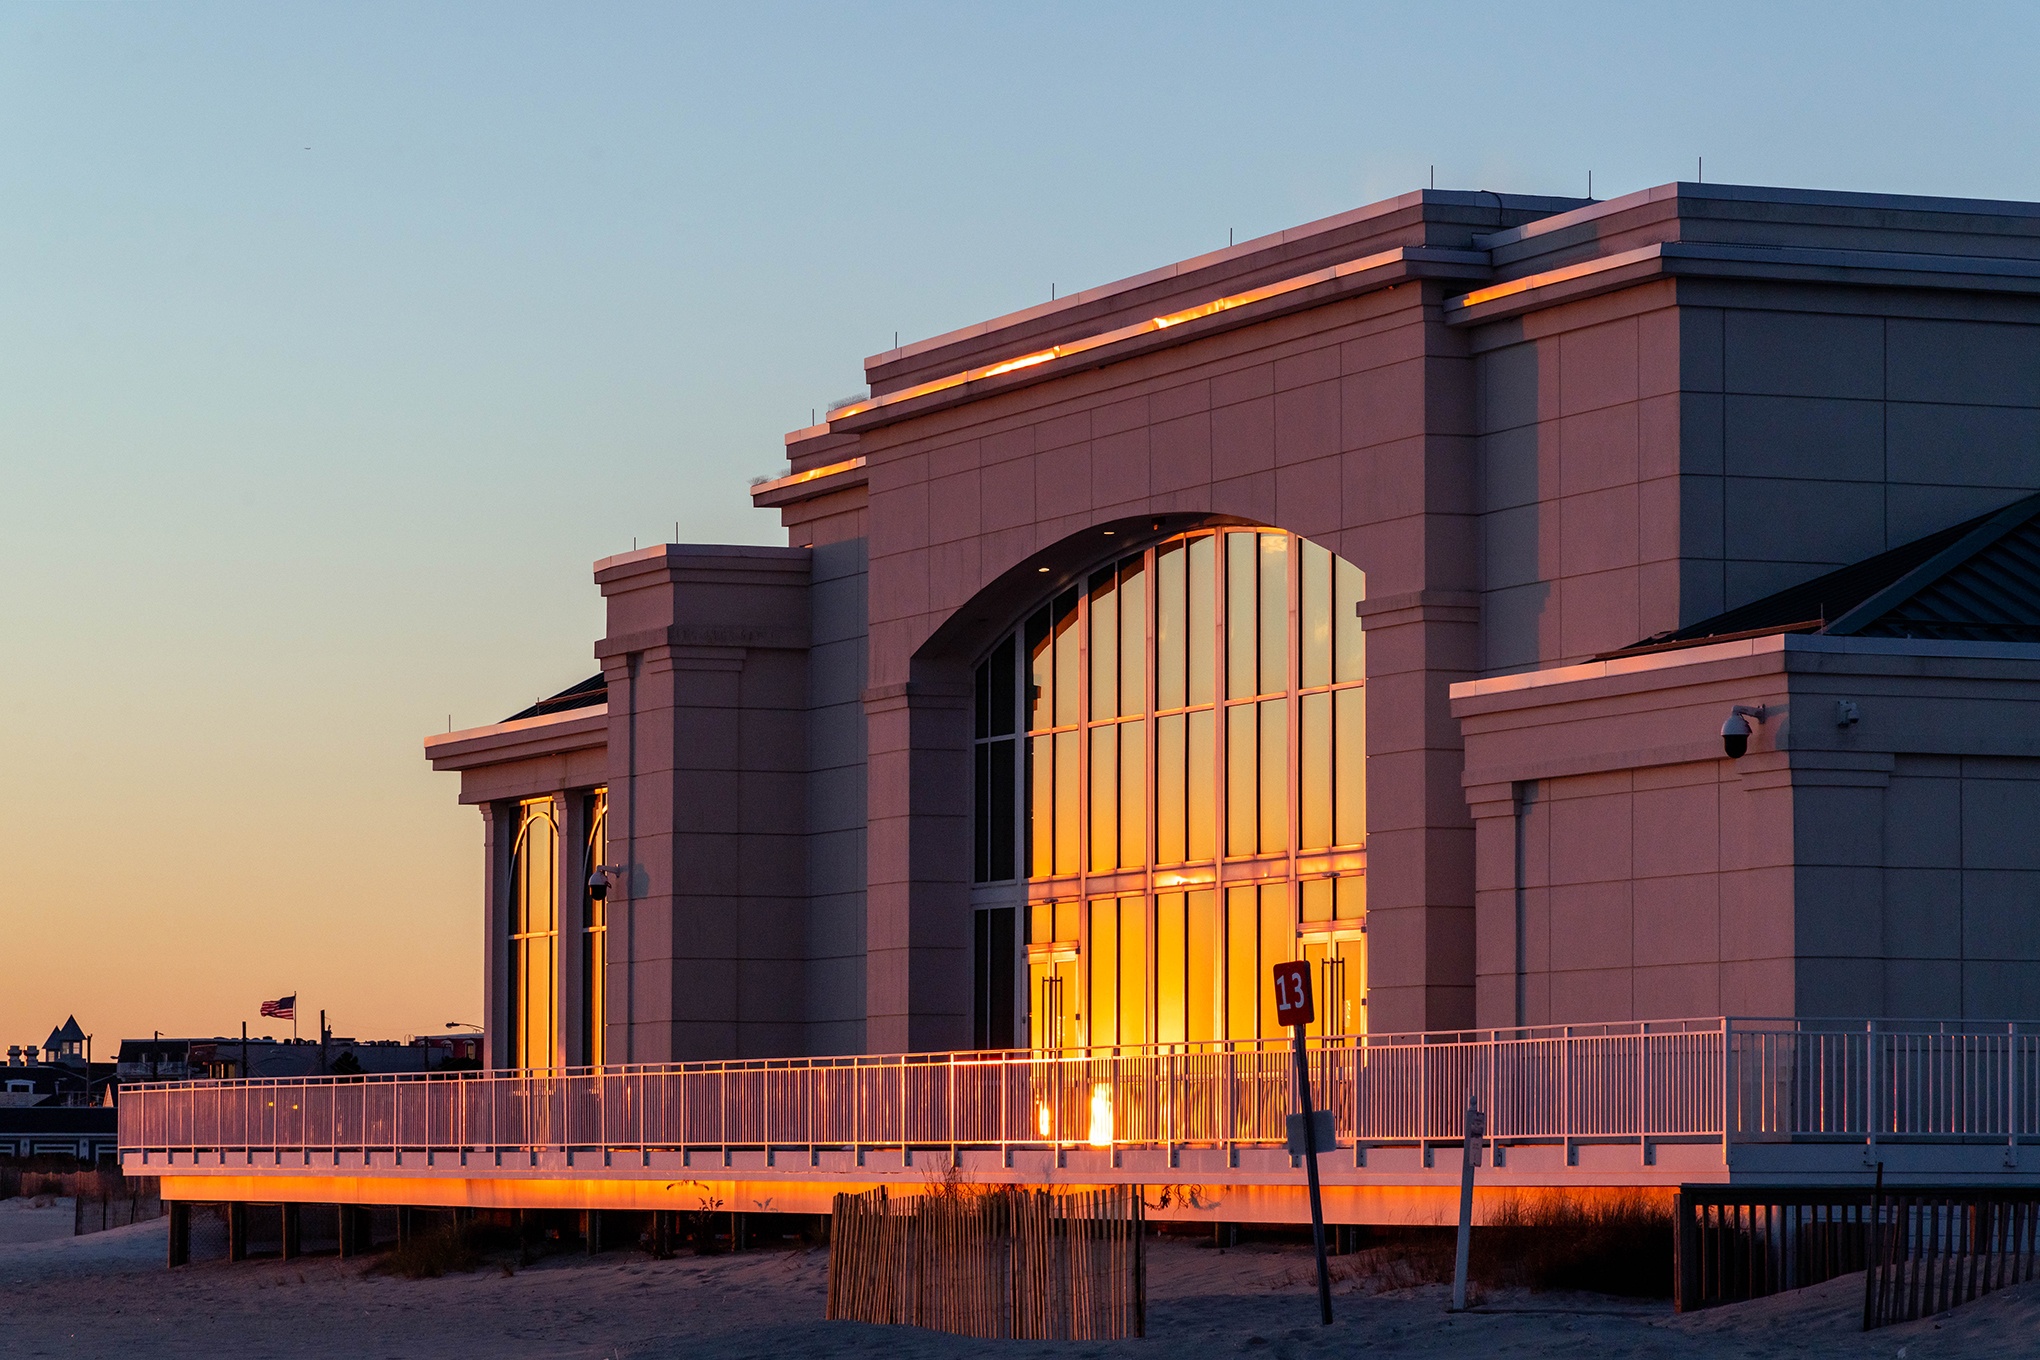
[35,1218]
[110,1294]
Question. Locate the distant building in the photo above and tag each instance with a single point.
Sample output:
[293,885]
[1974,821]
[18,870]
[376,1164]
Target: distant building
[28,1082]
[167,1059]
[47,1106]
[66,1044]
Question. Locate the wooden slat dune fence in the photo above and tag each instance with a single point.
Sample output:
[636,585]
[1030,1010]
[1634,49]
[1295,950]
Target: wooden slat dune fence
[1735,1243]
[1028,1264]
[1933,1249]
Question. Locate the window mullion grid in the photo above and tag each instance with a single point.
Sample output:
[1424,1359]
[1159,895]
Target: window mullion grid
[1293,713]
[1151,805]
[1221,800]
[1082,813]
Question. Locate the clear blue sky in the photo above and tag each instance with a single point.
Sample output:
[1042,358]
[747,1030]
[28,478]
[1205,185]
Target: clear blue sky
[336,341]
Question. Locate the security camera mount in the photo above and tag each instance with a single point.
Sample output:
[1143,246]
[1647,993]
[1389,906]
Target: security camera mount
[598,880]
[1735,733]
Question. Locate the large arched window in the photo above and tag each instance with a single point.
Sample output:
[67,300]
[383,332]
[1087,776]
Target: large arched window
[1171,797]
[534,936]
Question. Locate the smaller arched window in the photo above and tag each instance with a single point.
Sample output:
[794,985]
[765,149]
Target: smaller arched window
[534,936]
[594,932]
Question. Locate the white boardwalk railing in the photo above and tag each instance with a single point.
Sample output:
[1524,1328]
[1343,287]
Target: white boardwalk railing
[1726,1080]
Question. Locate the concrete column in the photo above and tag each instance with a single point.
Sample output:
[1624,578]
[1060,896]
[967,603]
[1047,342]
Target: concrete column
[180,1232]
[498,832]
[237,1232]
[352,1230]
[1498,917]
[917,905]
[706,663]
[1420,883]
[292,1247]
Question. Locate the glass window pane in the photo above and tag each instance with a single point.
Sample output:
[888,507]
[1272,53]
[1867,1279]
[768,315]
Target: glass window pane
[982,699]
[1001,811]
[1354,1013]
[1065,802]
[1274,612]
[1172,1017]
[1278,945]
[1171,619]
[1349,765]
[1132,638]
[1314,615]
[1104,658]
[1314,774]
[1041,805]
[1000,687]
[1040,673]
[1042,1004]
[1201,973]
[1242,781]
[1070,1021]
[1242,640]
[981,813]
[1202,634]
[1133,966]
[1200,763]
[1338,1014]
[1242,971]
[1041,923]
[1350,898]
[1066,922]
[1349,587]
[1101,958]
[1170,790]
[1317,899]
[1274,820]
[1066,655]
[1104,799]
[1132,794]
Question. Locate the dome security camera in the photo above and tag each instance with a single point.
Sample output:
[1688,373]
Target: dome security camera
[598,881]
[1735,733]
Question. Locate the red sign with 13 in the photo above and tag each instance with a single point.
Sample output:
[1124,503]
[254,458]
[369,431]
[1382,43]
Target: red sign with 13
[1294,1004]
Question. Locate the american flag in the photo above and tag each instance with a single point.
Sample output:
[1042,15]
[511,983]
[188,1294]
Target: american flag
[283,1008]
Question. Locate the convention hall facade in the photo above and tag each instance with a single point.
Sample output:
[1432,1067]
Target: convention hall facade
[1599,637]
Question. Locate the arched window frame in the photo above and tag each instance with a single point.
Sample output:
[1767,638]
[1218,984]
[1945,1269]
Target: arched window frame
[1303,889]
[534,944]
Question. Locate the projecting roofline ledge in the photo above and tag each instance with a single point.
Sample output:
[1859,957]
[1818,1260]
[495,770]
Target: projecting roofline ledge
[576,729]
[1444,218]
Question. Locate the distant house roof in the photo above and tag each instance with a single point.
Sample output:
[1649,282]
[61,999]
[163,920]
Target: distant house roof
[1978,581]
[590,692]
[66,1033]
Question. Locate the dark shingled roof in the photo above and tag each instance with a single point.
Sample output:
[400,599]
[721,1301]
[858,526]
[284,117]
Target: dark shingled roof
[590,692]
[1978,581]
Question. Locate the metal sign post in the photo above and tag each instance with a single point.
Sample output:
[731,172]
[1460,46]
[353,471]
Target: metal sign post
[1296,1007]
[1476,1128]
